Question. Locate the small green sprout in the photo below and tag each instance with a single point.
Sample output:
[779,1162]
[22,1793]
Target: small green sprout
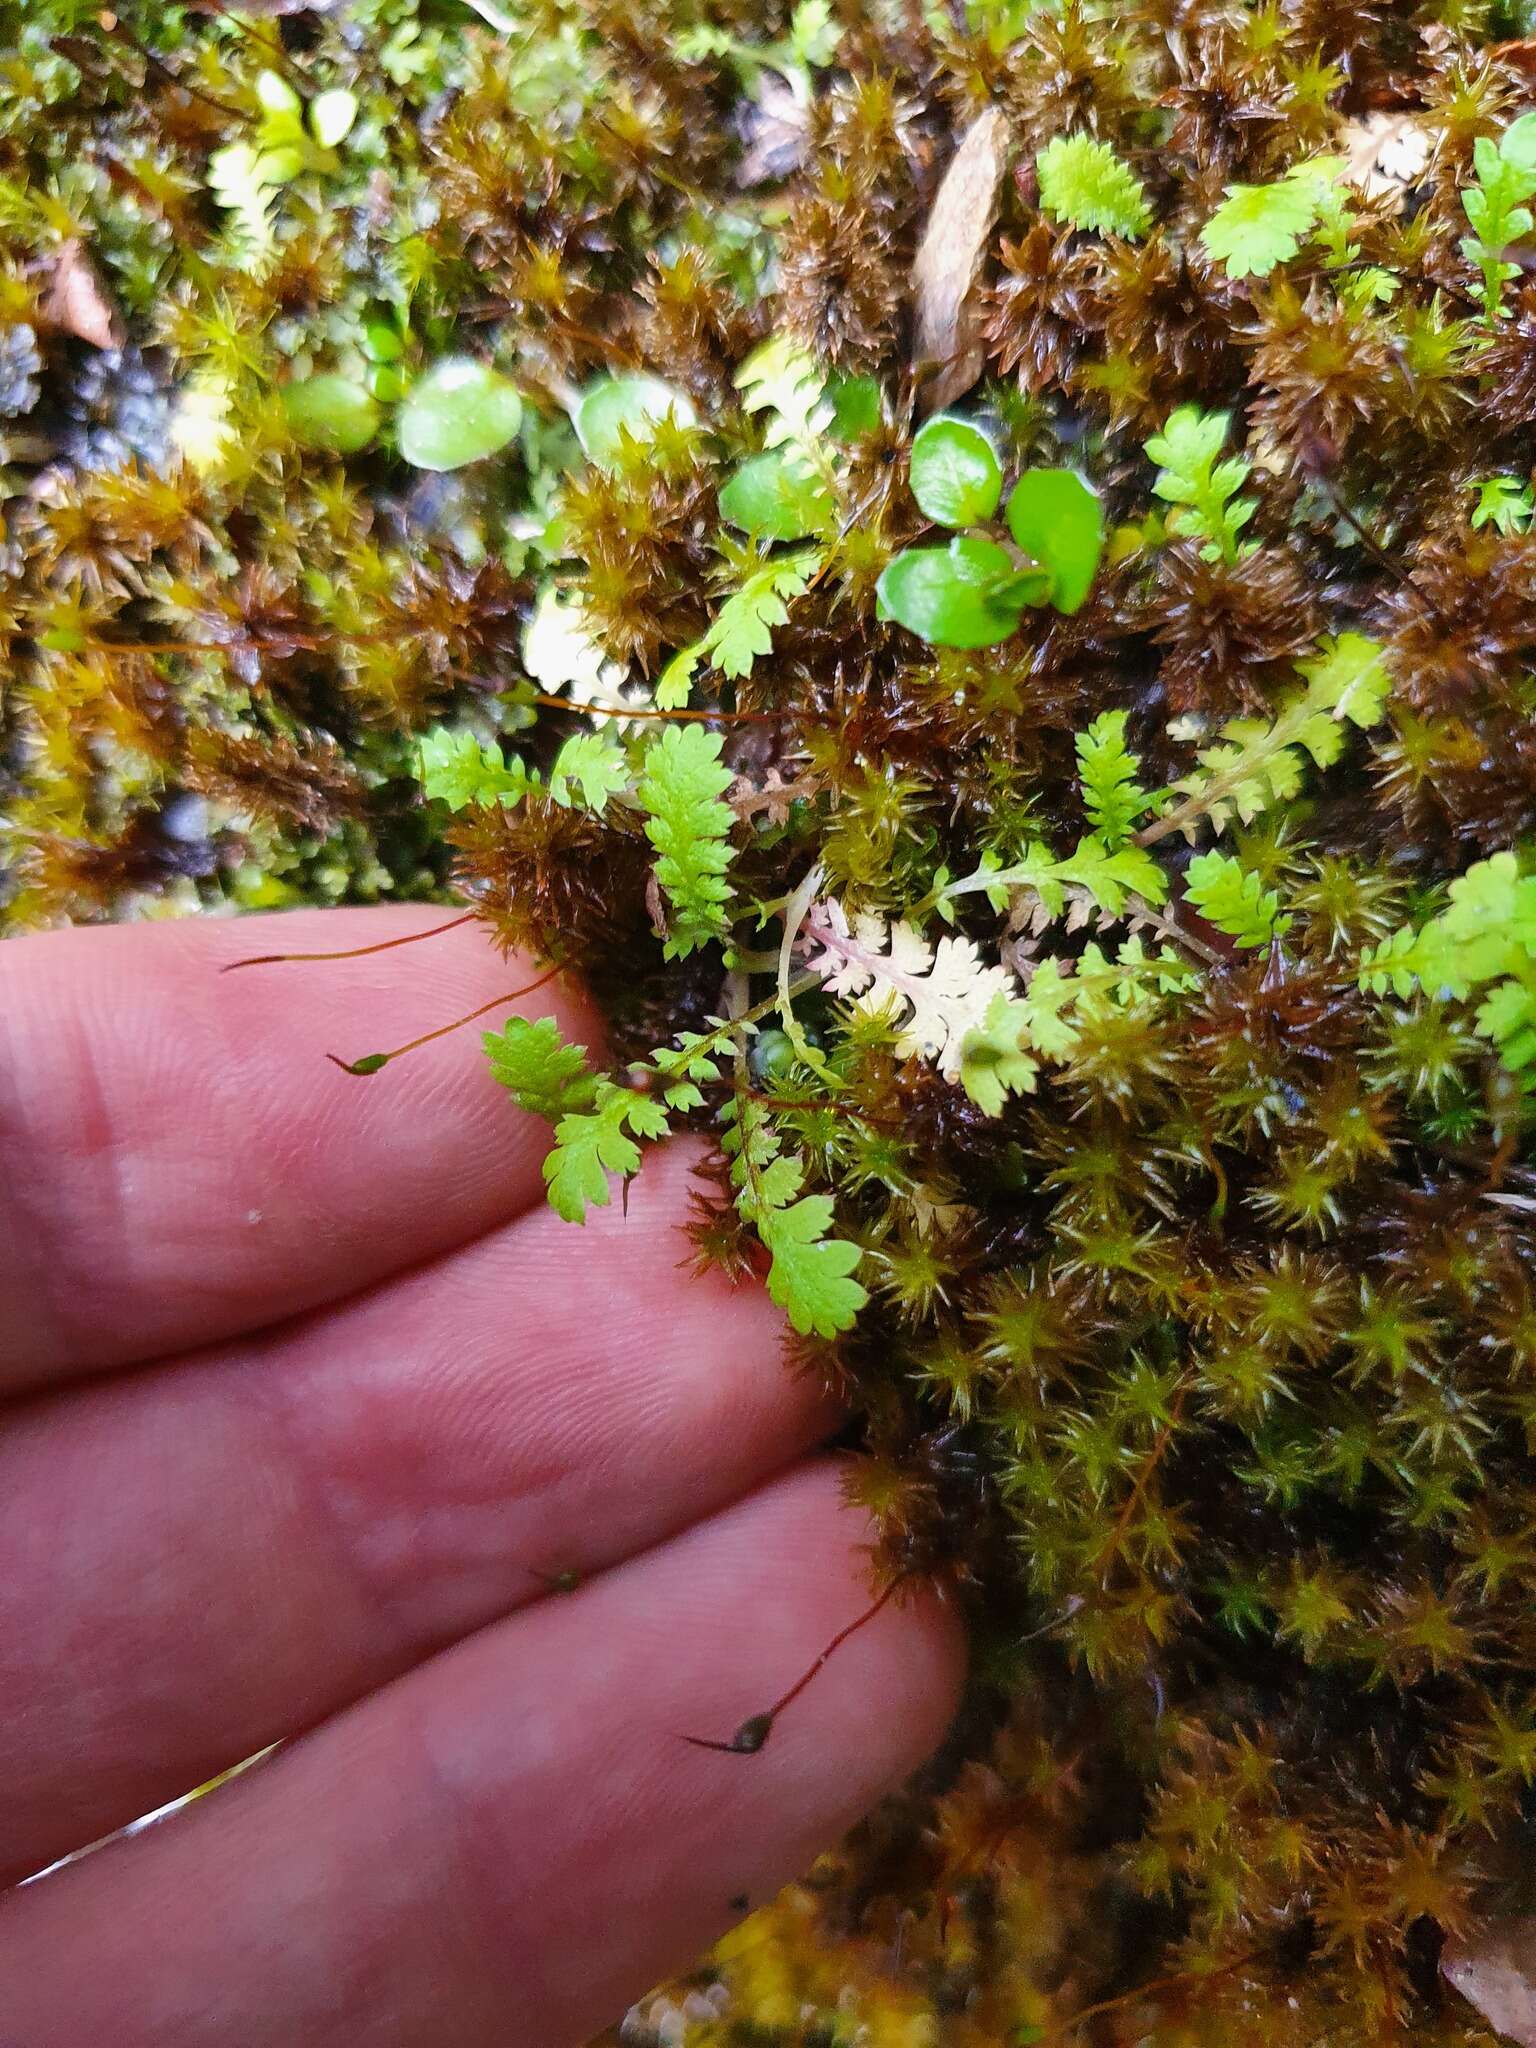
[969,594]
[1503,502]
[973,592]
[1059,522]
[956,477]
[774,497]
[1495,206]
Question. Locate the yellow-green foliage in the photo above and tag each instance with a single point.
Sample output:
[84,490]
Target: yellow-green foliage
[1110,1024]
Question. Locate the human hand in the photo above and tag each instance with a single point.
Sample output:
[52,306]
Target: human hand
[308,1398]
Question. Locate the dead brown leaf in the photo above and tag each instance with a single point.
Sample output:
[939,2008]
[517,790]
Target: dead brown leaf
[949,259]
[76,301]
[1496,1973]
[776,128]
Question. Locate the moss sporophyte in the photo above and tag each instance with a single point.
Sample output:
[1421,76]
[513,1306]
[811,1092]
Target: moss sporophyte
[970,570]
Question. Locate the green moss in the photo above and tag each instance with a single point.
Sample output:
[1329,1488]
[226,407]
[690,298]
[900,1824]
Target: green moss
[1116,1037]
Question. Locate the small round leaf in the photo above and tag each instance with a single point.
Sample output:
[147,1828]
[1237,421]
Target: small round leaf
[774,497]
[330,411]
[383,341]
[331,115]
[956,476]
[1517,145]
[626,405]
[459,412]
[275,95]
[966,595]
[1056,518]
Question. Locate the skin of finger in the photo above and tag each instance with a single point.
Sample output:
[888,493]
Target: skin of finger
[181,1161]
[512,1842]
[265,1533]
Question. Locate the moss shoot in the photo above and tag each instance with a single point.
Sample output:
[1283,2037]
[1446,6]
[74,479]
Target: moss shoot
[971,568]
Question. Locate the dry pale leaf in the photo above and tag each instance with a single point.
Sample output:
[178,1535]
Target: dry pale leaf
[76,301]
[1496,1973]
[949,258]
[776,129]
[1385,153]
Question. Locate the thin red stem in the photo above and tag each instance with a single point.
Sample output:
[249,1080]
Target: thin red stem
[373,1061]
[754,1732]
[353,952]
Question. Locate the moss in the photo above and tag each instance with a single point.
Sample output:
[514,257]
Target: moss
[1199,1328]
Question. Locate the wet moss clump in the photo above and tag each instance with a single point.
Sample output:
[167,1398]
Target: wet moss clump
[973,569]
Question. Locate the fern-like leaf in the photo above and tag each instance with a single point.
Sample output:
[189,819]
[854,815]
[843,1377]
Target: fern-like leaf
[810,1274]
[1108,772]
[1234,899]
[587,771]
[742,632]
[781,380]
[1256,763]
[592,1144]
[1258,227]
[1083,183]
[1204,489]
[547,1076]
[744,629]
[459,770]
[994,1060]
[690,829]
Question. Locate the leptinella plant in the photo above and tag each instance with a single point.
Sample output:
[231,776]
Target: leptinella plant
[1050,805]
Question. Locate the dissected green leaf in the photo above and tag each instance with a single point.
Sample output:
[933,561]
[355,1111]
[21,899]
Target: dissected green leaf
[743,628]
[810,1275]
[459,770]
[1084,183]
[1199,483]
[688,825]
[548,1077]
[994,1062]
[1234,899]
[1258,227]
[589,768]
[1108,771]
[592,1144]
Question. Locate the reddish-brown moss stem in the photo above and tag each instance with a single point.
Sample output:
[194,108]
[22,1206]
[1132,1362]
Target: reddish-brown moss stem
[353,952]
[372,1062]
[754,1732]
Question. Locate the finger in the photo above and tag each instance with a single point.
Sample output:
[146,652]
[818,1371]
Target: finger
[181,1162]
[261,1535]
[512,1842]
